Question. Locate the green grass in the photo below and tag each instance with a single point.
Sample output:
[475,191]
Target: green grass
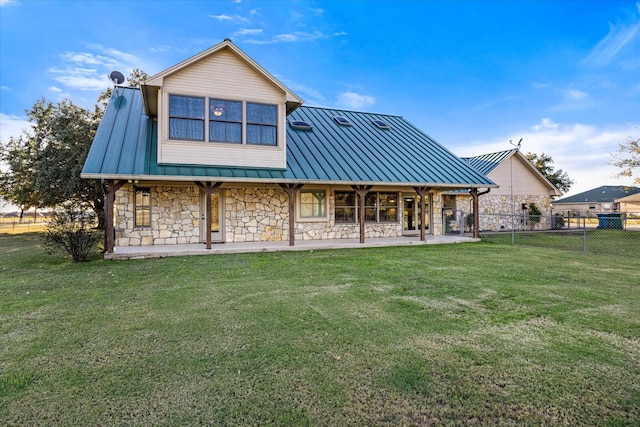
[621,243]
[468,334]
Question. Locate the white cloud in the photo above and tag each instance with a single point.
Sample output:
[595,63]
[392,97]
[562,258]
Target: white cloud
[581,150]
[298,36]
[247,31]
[55,89]
[545,123]
[575,94]
[608,48]
[5,88]
[88,70]
[355,101]
[12,126]
[7,2]
[227,18]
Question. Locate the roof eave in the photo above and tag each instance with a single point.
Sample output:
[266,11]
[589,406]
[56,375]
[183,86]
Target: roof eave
[181,178]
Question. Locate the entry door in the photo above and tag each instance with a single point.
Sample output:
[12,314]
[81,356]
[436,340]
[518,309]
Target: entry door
[411,215]
[216,218]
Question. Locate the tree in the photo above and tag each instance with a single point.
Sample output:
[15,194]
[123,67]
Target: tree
[71,229]
[628,158]
[44,163]
[558,178]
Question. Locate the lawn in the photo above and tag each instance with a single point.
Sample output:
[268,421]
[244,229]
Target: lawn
[467,334]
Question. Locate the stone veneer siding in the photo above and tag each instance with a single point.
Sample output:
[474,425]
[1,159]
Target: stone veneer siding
[251,214]
[175,213]
[496,210]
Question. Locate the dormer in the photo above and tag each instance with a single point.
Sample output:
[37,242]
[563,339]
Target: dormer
[220,108]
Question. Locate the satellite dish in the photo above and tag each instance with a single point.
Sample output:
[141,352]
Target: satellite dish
[116,77]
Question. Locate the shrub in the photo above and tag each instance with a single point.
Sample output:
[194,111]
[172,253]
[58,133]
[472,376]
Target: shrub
[534,214]
[72,229]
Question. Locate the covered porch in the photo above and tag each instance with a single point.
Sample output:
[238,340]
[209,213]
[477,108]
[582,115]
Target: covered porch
[161,251]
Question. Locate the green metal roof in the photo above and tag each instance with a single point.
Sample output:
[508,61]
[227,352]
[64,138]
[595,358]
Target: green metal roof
[125,147]
[486,163]
[604,194]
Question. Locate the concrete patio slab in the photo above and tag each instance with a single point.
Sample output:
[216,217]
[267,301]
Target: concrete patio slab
[160,251]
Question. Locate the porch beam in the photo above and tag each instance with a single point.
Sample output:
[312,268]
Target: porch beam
[207,188]
[110,187]
[292,190]
[361,191]
[422,192]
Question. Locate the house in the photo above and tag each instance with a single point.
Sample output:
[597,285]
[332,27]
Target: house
[605,199]
[520,186]
[630,205]
[216,150]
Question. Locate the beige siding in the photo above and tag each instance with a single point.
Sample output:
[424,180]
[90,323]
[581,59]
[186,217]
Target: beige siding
[225,76]
[521,178]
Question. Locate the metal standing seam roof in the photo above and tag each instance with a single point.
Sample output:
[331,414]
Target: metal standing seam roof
[486,163]
[604,194]
[126,143]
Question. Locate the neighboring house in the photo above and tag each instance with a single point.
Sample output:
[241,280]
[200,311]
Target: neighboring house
[605,199]
[630,205]
[215,149]
[520,185]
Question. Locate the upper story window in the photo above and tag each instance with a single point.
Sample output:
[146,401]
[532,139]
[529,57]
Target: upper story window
[262,123]
[186,118]
[225,121]
[220,120]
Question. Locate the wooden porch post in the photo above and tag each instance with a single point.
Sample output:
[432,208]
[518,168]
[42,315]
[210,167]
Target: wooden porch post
[476,215]
[291,190]
[110,187]
[361,191]
[422,192]
[208,188]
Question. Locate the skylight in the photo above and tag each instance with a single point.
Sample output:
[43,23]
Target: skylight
[300,125]
[342,120]
[381,124]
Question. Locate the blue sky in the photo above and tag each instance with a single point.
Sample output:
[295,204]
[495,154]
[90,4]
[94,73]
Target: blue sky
[562,75]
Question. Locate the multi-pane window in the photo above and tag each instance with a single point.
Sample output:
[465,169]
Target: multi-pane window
[225,121]
[262,121]
[142,207]
[388,207]
[222,120]
[186,118]
[379,207]
[345,206]
[313,204]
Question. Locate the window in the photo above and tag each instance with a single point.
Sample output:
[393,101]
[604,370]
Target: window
[313,204]
[142,207]
[186,118]
[345,206]
[449,201]
[262,121]
[388,207]
[225,121]
[221,120]
[379,207]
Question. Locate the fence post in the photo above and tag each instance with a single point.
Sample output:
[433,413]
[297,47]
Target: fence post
[513,229]
[584,238]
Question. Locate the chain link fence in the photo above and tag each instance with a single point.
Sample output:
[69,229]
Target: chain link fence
[611,233]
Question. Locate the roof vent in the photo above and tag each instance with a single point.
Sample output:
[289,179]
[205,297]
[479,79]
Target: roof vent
[341,120]
[300,125]
[381,124]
